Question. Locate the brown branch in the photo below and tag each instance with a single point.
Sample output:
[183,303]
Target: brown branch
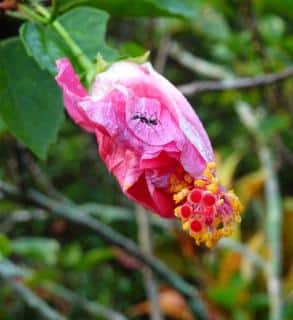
[237,84]
[197,64]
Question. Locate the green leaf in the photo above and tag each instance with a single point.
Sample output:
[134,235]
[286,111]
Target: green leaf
[2,126]
[227,296]
[95,257]
[211,23]
[275,124]
[272,28]
[131,49]
[29,99]
[4,246]
[284,7]
[43,45]
[71,255]
[40,249]
[148,8]
[86,26]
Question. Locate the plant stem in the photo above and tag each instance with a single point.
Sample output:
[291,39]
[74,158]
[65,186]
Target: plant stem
[93,308]
[82,59]
[54,10]
[273,208]
[31,14]
[8,272]
[149,279]
[274,225]
[196,87]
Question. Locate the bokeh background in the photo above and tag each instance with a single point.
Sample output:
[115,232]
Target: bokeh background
[53,265]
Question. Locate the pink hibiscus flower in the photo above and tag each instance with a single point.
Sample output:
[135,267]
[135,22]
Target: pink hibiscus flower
[152,141]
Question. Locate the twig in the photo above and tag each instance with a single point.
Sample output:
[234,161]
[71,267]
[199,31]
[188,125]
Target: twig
[54,10]
[162,54]
[11,270]
[92,308]
[274,225]
[196,64]
[74,215]
[274,211]
[239,84]
[146,247]
[9,273]
[39,176]
[283,150]
[21,216]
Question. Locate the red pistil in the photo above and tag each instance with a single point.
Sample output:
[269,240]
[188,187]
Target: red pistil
[195,196]
[195,226]
[209,199]
[185,211]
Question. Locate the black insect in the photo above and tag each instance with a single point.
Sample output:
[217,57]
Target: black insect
[142,117]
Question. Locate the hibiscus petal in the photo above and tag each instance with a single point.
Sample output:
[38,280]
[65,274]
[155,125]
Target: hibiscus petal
[73,92]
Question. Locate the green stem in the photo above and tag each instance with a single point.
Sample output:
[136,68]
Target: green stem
[82,59]
[84,62]
[54,10]
[31,14]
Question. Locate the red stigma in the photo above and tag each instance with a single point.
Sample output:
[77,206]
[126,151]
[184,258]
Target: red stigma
[195,196]
[209,199]
[195,226]
[185,211]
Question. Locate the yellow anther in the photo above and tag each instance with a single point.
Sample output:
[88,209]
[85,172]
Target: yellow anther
[182,194]
[227,231]
[177,212]
[211,165]
[235,202]
[238,218]
[185,226]
[209,243]
[199,183]
[207,174]
[205,236]
[213,187]
[197,241]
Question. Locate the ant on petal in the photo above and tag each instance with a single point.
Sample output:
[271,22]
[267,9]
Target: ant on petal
[143,118]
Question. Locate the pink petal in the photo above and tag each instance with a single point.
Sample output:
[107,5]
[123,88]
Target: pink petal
[73,92]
